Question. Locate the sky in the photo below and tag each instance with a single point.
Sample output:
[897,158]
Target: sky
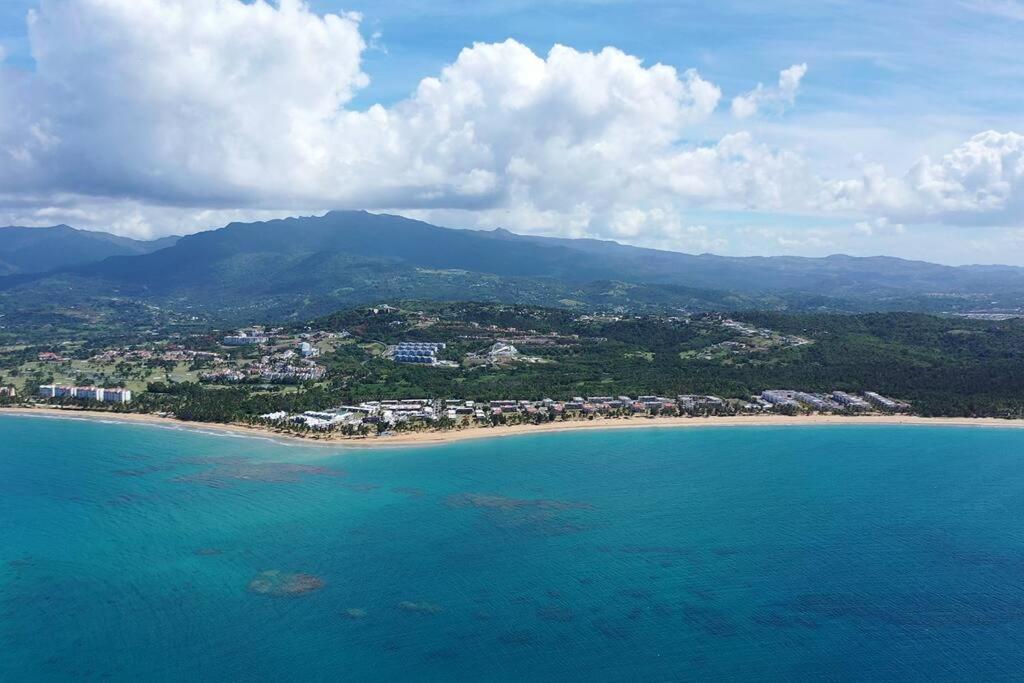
[737,127]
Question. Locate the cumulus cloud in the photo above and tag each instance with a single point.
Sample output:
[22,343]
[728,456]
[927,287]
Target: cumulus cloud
[779,97]
[224,104]
[981,180]
[156,116]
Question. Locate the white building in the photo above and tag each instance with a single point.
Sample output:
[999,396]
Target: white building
[503,350]
[850,401]
[114,395]
[244,339]
[886,403]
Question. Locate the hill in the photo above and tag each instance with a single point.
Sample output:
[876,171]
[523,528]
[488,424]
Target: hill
[38,250]
[296,268]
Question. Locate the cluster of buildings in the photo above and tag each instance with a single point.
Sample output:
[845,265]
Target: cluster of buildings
[252,337]
[277,369]
[424,411]
[836,401]
[169,355]
[886,403]
[368,414]
[424,353]
[104,395]
[288,366]
[427,412]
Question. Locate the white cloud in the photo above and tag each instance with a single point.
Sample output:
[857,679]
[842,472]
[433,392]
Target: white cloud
[780,97]
[880,226]
[157,116]
[220,103]
[980,180]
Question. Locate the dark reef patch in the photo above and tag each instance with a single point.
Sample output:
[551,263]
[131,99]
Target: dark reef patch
[143,471]
[419,607]
[280,584]
[541,516]
[223,472]
[479,500]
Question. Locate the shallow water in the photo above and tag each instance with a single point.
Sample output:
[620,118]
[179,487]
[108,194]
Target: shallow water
[134,553]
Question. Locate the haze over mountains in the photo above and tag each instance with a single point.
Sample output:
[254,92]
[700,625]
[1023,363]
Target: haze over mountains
[298,267]
[37,250]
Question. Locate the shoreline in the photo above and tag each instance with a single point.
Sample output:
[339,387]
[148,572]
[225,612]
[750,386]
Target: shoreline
[476,433]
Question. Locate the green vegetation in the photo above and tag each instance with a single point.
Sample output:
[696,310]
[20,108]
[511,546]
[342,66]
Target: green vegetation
[295,269]
[942,365]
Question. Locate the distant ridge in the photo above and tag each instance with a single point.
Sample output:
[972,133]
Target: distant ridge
[38,250]
[294,267]
[401,240]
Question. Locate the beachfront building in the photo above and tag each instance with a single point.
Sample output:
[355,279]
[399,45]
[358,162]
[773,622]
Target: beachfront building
[322,420]
[780,397]
[692,403]
[113,395]
[849,401]
[886,403]
[116,396]
[8,392]
[816,401]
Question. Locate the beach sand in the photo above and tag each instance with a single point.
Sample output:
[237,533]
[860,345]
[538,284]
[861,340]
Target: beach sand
[470,433]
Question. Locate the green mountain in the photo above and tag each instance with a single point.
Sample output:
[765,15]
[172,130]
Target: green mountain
[297,268]
[38,250]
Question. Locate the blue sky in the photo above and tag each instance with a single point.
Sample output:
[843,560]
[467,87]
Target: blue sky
[875,151]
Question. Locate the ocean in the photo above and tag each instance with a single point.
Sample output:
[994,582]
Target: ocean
[130,552]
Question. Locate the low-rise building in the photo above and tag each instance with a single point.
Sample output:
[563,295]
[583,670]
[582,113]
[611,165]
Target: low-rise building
[780,397]
[245,339]
[424,353]
[886,403]
[849,401]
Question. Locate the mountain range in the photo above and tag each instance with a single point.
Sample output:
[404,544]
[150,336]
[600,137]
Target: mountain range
[300,267]
[38,250]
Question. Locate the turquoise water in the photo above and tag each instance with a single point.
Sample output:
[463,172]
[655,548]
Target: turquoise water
[138,553]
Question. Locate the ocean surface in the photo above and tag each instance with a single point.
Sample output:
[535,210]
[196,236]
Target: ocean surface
[140,553]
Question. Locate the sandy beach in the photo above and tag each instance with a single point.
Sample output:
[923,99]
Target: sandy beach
[470,433]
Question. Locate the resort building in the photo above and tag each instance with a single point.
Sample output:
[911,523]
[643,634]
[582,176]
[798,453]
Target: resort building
[417,352]
[886,403]
[114,395]
[245,339]
[849,401]
[780,397]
